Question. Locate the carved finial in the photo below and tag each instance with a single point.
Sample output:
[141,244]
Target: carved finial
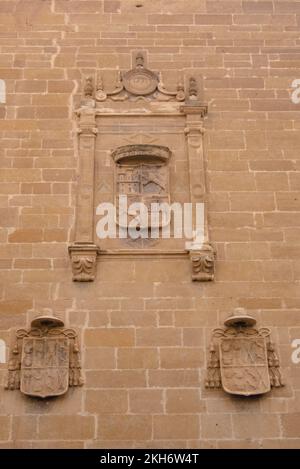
[193,89]
[119,80]
[100,94]
[180,96]
[139,60]
[160,81]
[88,87]
[99,83]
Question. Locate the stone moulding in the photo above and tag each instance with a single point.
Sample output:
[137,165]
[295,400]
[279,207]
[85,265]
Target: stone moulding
[138,84]
[242,359]
[144,151]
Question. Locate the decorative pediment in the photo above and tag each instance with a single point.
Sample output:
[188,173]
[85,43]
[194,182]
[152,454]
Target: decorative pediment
[137,83]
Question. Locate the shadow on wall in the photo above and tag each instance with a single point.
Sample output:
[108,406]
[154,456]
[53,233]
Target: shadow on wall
[2,351]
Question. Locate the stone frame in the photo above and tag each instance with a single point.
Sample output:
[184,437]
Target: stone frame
[184,102]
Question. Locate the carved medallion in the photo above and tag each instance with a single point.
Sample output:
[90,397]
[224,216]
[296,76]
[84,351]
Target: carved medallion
[45,359]
[242,359]
[140,82]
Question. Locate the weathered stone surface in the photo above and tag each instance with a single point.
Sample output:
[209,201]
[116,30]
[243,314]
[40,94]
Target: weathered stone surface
[45,359]
[242,359]
[136,312]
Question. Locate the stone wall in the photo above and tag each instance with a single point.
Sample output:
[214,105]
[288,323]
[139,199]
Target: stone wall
[144,325]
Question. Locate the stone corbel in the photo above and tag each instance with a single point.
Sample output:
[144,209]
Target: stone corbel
[203,263]
[83,252]
[202,253]
[83,261]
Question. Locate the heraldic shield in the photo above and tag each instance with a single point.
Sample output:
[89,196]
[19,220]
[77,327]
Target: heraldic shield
[244,365]
[45,360]
[242,359]
[45,366]
[141,176]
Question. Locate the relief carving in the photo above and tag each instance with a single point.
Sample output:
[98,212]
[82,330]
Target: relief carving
[137,83]
[83,252]
[83,261]
[242,359]
[45,360]
[203,263]
[142,174]
[202,254]
[140,170]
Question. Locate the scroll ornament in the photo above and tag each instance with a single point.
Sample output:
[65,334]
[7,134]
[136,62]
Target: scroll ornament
[137,83]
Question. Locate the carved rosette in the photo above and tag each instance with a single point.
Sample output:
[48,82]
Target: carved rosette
[242,359]
[203,263]
[84,261]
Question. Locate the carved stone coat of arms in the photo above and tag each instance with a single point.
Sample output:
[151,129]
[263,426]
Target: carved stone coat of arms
[242,359]
[44,360]
[142,175]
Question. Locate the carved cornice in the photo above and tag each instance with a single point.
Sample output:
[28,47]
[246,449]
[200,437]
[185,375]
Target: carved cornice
[131,152]
[194,108]
[195,129]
